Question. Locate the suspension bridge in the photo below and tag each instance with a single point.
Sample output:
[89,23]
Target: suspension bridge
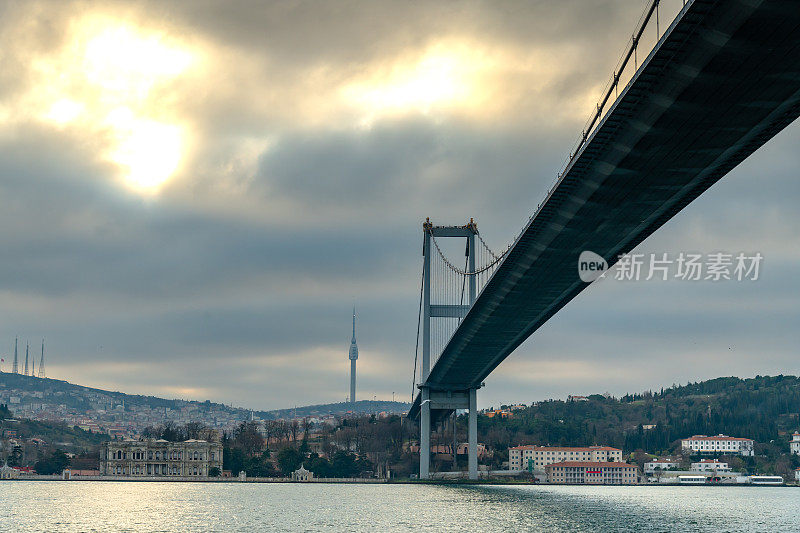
[720,81]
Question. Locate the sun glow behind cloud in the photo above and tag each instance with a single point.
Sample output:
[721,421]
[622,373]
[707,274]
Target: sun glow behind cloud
[111,80]
[458,76]
[442,78]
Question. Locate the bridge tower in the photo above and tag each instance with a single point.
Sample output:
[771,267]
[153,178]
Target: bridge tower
[437,402]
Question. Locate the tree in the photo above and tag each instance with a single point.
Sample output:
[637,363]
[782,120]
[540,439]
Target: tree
[319,465]
[195,430]
[344,465]
[233,459]
[214,472]
[261,466]
[55,464]
[248,439]
[289,460]
[172,432]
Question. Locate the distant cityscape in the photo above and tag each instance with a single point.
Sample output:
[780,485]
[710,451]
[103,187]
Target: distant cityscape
[122,415]
[141,436]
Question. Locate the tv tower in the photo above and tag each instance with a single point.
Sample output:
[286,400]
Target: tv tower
[15,367]
[41,362]
[353,358]
[26,358]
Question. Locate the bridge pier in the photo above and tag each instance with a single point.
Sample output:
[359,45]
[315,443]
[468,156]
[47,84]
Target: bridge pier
[437,405]
[472,434]
[425,434]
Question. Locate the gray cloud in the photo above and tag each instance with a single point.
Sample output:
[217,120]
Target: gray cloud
[237,281]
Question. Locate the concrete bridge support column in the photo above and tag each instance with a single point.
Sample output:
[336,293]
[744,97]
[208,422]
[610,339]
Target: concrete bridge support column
[425,434]
[472,430]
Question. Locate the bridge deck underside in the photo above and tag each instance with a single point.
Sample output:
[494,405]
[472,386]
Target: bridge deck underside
[723,80]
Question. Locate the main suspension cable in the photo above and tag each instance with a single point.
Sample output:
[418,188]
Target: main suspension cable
[477,270]
[419,321]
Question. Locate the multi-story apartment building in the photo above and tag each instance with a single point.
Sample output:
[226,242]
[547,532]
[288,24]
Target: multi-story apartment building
[794,445]
[719,444]
[537,457]
[160,458]
[710,465]
[651,467]
[592,473]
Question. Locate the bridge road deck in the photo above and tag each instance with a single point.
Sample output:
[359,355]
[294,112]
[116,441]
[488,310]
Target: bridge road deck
[721,82]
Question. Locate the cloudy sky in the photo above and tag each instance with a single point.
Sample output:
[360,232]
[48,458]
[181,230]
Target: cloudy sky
[194,194]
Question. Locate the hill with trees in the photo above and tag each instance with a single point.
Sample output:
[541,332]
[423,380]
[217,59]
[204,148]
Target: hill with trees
[763,408]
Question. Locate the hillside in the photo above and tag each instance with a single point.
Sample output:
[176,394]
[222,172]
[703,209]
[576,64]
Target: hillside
[364,407]
[55,400]
[763,408]
[55,434]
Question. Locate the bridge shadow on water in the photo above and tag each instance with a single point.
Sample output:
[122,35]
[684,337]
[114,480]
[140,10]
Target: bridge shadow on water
[635,508]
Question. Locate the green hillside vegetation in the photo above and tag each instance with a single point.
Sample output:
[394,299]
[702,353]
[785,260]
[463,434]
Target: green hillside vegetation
[763,408]
[53,433]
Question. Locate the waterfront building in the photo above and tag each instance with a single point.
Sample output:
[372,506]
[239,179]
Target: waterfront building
[719,444]
[301,474]
[149,457]
[794,445]
[766,480]
[797,474]
[538,457]
[654,465]
[710,465]
[592,473]
[6,472]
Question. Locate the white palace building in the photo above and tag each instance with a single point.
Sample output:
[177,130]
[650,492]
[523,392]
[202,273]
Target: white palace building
[160,458]
[719,444]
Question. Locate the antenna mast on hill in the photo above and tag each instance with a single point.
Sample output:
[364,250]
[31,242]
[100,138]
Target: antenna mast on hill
[26,358]
[15,367]
[41,362]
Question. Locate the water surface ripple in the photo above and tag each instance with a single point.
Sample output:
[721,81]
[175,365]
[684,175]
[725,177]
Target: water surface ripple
[245,507]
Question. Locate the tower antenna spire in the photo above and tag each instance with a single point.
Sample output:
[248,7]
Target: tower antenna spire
[15,367]
[41,362]
[353,357]
[27,345]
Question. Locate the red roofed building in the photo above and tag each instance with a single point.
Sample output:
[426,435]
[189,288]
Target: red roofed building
[523,457]
[592,473]
[719,444]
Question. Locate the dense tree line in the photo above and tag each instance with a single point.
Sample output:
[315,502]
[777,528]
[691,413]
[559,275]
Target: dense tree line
[55,463]
[344,447]
[173,432]
[763,408]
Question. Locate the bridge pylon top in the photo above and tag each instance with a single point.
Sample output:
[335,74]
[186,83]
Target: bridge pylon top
[467,230]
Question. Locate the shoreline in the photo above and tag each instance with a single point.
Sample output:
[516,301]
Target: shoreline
[368,481]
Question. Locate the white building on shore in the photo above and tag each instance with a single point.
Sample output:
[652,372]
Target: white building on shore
[719,444]
[794,445]
[148,458]
[521,457]
[710,465]
[592,473]
[662,465]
